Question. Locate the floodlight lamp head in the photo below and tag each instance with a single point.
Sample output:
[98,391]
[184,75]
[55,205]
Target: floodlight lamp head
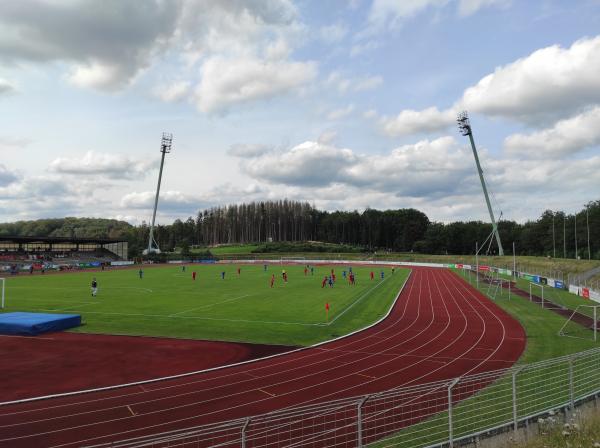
[464,126]
[166,142]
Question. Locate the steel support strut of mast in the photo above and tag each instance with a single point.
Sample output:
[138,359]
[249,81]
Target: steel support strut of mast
[465,128]
[165,148]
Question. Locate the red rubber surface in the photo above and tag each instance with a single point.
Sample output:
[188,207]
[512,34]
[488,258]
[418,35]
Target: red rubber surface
[53,363]
[440,328]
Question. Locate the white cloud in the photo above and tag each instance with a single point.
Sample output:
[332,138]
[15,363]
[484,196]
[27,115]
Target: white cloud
[469,7]
[345,84]
[176,91]
[333,33]
[327,137]
[364,47]
[391,14]
[415,122]
[549,83]
[169,201]
[435,176]
[227,82]
[309,163]
[7,176]
[424,168]
[565,137]
[12,143]
[114,166]
[107,45]
[6,87]
[343,112]
[369,114]
[248,150]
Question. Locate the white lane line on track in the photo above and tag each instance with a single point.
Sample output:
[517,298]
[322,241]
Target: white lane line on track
[366,338]
[268,393]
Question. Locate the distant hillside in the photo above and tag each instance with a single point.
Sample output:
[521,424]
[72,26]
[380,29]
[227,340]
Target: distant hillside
[68,227]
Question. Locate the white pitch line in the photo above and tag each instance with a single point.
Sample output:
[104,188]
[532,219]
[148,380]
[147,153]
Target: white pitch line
[209,305]
[79,305]
[356,301]
[309,324]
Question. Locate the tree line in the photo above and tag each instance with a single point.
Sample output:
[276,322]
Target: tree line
[552,234]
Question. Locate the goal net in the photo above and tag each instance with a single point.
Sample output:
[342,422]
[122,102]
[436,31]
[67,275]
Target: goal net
[546,296]
[582,323]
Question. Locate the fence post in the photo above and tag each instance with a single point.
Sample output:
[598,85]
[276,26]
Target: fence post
[450,423]
[359,435]
[571,386]
[244,428]
[514,399]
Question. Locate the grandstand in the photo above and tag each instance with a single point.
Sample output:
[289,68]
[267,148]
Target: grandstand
[37,252]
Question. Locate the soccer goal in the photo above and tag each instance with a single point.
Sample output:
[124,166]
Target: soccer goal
[531,295]
[582,323]
[2,282]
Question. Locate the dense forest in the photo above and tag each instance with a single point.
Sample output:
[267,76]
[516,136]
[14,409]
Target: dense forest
[552,234]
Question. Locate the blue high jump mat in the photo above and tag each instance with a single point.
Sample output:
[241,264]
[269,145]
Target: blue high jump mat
[35,323]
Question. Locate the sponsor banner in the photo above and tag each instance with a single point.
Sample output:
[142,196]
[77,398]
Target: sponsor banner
[536,278]
[452,266]
[559,284]
[585,292]
[121,263]
[484,268]
[211,261]
[467,266]
[551,283]
[174,261]
[543,280]
[459,266]
[527,277]
[574,289]
[595,295]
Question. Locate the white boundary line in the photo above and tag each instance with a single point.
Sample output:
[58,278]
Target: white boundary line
[183,375]
[209,305]
[358,300]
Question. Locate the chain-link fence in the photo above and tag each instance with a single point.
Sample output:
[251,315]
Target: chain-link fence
[428,415]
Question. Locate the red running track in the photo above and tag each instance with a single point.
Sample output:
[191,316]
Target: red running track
[54,363]
[439,328]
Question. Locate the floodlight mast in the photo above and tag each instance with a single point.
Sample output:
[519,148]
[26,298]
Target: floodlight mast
[165,148]
[464,127]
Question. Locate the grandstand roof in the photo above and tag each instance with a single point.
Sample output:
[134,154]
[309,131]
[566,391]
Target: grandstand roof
[60,239]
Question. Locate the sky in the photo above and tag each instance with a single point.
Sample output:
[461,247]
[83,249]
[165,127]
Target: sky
[344,104]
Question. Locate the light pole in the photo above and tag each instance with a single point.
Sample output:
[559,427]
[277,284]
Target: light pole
[553,238]
[165,148]
[465,129]
[576,237]
[587,221]
[564,235]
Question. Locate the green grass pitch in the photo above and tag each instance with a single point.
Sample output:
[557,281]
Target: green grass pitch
[167,302]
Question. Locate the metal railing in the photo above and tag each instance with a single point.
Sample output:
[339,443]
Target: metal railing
[429,415]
